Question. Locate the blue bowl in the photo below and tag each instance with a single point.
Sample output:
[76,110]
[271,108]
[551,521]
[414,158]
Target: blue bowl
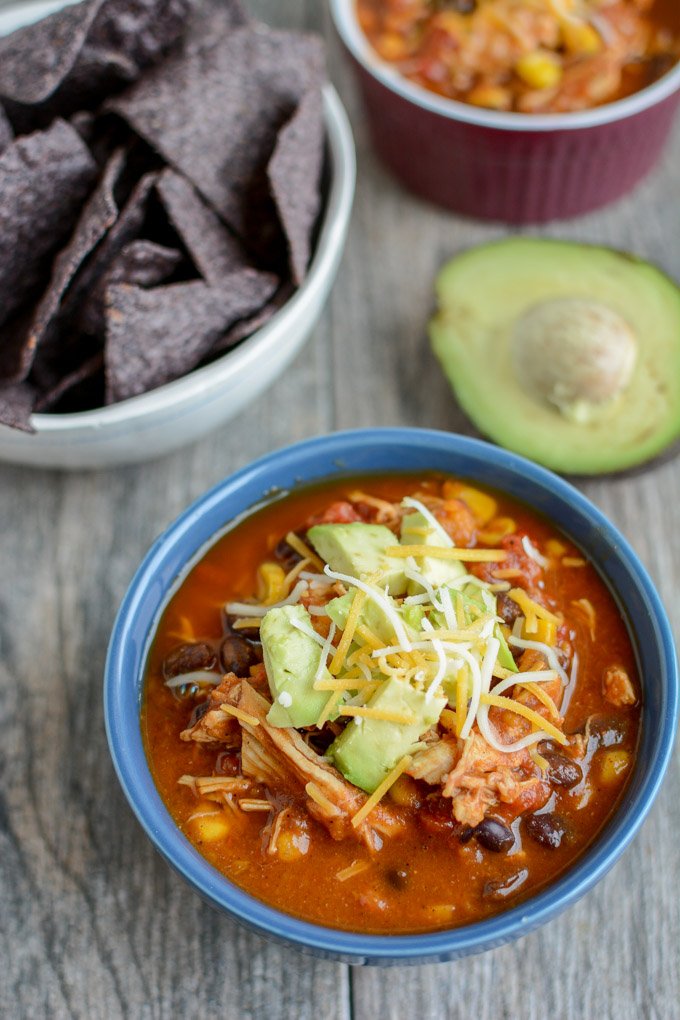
[384,450]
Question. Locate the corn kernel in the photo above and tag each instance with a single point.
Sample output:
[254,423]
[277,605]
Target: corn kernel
[404,792]
[498,528]
[391,46]
[492,97]
[270,583]
[613,764]
[483,506]
[540,69]
[291,846]
[210,828]
[545,631]
[555,548]
[579,37]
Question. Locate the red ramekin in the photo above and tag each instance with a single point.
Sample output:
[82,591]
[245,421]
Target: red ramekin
[513,167]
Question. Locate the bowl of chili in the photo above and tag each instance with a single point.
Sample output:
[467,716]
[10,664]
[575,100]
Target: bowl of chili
[452,115]
[242,516]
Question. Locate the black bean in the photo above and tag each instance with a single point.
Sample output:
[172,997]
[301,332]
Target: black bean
[609,730]
[508,609]
[237,655]
[494,835]
[562,770]
[247,633]
[198,713]
[548,829]
[502,888]
[188,658]
[398,877]
[286,555]
[459,6]
[466,833]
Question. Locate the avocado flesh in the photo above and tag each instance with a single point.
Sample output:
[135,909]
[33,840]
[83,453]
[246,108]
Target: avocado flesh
[436,571]
[291,660]
[484,292]
[359,550]
[364,753]
[371,616]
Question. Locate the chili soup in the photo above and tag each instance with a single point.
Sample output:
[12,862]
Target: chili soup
[393,704]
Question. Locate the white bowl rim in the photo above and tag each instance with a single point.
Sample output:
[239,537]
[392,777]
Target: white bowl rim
[191,388]
[347,25]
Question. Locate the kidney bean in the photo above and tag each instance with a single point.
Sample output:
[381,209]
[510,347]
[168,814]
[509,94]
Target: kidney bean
[494,835]
[237,655]
[563,770]
[188,658]
[547,829]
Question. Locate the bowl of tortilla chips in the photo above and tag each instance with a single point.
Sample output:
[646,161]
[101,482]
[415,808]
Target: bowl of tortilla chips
[176,183]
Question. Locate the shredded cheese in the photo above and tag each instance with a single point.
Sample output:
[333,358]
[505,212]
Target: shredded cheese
[573,561]
[317,795]
[328,708]
[529,606]
[239,714]
[254,804]
[588,610]
[381,600]
[341,651]
[546,650]
[498,701]
[365,712]
[380,791]
[302,549]
[531,551]
[541,696]
[441,553]
[438,528]
[252,609]
[247,623]
[355,868]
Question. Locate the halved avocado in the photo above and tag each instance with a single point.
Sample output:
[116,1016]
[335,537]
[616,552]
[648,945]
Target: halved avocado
[566,353]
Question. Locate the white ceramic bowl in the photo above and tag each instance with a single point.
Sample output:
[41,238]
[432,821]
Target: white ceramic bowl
[182,411]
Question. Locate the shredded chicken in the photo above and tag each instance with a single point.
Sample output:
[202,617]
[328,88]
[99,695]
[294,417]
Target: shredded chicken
[617,686]
[482,778]
[434,762]
[510,726]
[276,755]
[215,726]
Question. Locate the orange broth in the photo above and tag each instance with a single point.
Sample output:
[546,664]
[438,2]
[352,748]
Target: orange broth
[449,883]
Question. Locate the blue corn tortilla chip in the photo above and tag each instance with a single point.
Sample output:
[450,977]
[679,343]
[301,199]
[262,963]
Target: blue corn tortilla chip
[215,251]
[6,133]
[155,336]
[98,215]
[85,373]
[294,173]
[143,264]
[214,114]
[17,401]
[44,179]
[79,54]
[244,328]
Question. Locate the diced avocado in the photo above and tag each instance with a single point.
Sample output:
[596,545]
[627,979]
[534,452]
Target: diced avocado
[371,616]
[504,656]
[360,550]
[291,659]
[413,618]
[366,751]
[417,530]
[566,353]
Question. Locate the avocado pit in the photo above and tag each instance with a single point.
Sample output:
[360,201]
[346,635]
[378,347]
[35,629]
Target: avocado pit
[575,354]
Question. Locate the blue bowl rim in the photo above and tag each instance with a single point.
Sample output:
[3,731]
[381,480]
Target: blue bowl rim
[121,710]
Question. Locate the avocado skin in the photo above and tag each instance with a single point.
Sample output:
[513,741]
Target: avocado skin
[365,753]
[291,660]
[358,550]
[483,291]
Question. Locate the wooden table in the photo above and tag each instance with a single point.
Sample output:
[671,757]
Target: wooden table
[93,922]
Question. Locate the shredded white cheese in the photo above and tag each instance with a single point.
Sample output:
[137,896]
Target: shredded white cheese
[533,552]
[248,609]
[415,504]
[376,596]
[197,676]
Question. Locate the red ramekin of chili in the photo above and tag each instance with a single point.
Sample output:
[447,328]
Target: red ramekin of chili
[497,165]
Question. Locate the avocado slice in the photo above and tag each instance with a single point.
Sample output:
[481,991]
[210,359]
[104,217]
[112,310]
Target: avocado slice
[371,616]
[366,751]
[566,353]
[291,660]
[359,549]
[417,530]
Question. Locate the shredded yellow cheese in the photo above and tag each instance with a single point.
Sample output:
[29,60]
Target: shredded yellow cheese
[531,608]
[378,713]
[355,868]
[462,691]
[538,759]
[382,505]
[295,542]
[542,696]
[380,791]
[534,718]
[445,553]
[369,637]
[345,683]
[573,561]
[254,804]
[247,622]
[239,714]
[328,708]
[317,795]
[506,573]
[341,651]
[449,719]
[297,569]
[588,610]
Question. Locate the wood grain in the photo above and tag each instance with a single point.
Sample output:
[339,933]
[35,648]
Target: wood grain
[93,922]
